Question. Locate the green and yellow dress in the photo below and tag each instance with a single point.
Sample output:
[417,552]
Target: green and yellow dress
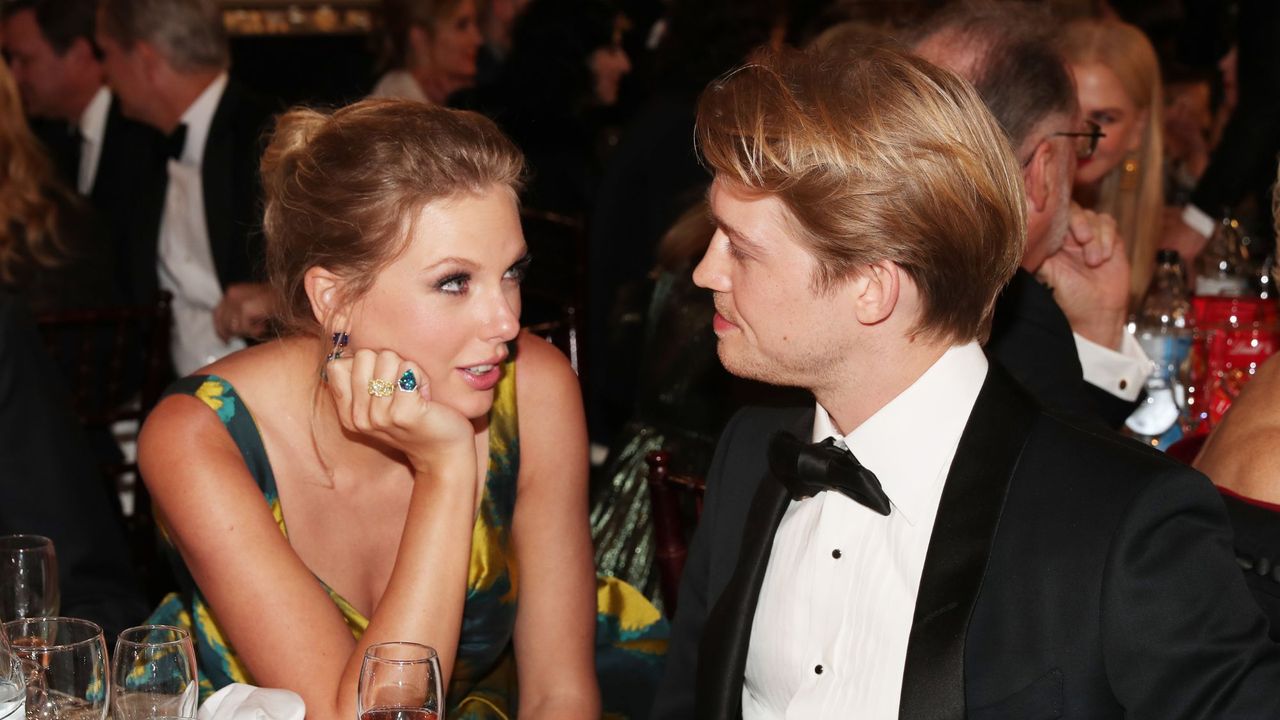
[631,635]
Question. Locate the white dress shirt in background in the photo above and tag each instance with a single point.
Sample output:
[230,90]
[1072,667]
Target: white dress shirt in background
[184,257]
[829,639]
[93,131]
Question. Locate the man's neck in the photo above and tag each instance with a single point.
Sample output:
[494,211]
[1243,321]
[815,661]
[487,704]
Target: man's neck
[877,379]
[180,95]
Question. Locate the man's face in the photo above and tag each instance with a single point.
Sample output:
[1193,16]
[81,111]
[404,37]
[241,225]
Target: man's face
[126,75]
[772,324]
[41,73]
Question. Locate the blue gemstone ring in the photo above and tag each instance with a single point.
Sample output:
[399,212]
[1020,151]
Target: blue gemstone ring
[408,382]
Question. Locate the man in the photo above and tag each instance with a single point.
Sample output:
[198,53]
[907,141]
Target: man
[198,226]
[998,562]
[98,151]
[1063,339]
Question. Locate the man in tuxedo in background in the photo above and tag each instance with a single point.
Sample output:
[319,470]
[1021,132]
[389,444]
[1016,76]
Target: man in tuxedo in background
[1059,325]
[198,227]
[949,550]
[97,151]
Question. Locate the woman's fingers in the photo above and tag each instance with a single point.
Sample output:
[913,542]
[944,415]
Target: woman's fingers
[411,395]
[362,369]
[381,388]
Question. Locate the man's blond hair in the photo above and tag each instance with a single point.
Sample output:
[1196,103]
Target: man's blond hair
[877,155]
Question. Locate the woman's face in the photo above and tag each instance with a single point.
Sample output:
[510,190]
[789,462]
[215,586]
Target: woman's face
[455,42]
[451,301]
[608,64]
[1104,101]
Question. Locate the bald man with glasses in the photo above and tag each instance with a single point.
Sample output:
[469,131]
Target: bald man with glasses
[1058,326]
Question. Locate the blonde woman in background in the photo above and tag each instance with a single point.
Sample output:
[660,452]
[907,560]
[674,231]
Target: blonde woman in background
[1118,81]
[46,242]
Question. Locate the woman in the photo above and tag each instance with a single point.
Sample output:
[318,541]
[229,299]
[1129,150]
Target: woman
[412,446]
[430,48]
[49,255]
[1118,81]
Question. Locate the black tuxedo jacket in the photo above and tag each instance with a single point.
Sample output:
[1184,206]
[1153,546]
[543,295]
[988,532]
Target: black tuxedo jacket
[1068,575]
[1257,537]
[232,197]
[1031,338]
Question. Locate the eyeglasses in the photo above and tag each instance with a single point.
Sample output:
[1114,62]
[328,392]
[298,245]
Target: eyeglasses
[1086,142]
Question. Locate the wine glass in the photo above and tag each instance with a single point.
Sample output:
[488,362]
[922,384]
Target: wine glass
[64,661]
[13,689]
[28,577]
[153,674]
[400,681]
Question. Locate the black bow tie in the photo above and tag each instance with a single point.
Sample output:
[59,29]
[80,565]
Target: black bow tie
[808,469]
[176,141]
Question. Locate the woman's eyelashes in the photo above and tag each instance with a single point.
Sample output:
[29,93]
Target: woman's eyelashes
[458,283]
[520,269]
[454,283]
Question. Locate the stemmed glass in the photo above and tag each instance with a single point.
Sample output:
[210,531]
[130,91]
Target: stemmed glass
[153,674]
[13,690]
[400,681]
[65,664]
[28,577]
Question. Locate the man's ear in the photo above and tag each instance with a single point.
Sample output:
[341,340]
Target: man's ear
[328,301]
[877,289]
[1038,177]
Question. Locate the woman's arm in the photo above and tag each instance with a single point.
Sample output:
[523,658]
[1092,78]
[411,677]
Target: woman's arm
[275,613]
[555,622]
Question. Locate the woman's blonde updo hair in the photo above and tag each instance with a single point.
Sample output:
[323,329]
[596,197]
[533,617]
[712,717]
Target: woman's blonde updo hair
[343,189]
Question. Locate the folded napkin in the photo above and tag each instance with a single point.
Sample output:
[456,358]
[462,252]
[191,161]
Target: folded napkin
[246,702]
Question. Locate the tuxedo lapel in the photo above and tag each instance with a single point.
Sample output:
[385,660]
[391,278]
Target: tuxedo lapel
[968,514]
[722,652]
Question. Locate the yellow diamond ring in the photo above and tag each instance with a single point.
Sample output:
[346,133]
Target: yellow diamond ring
[381,388]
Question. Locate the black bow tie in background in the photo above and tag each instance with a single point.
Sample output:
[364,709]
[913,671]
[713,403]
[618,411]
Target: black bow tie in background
[808,469]
[176,141]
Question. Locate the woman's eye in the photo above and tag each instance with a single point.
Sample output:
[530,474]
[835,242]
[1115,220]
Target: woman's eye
[518,271]
[454,284]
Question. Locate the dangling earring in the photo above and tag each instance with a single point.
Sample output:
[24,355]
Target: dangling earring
[340,341]
[1129,173]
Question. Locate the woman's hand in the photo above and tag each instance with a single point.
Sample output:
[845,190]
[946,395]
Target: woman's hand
[401,414]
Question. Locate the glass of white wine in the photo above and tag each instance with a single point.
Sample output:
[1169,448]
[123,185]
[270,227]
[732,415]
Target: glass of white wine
[64,663]
[400,681]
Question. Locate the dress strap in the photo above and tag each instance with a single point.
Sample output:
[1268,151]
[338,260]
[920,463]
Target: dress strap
[219,396]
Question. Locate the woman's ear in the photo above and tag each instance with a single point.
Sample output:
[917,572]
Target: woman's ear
[325,293]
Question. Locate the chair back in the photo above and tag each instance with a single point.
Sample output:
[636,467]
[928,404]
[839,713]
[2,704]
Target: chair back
[109,356]
[552,295]
[116,363]
[668,494]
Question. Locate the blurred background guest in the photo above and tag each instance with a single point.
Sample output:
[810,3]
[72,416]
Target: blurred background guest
[652,177]
[50,252]
[1240,167]
[97,151]
[496,19]
[196,226]
[1059,326]
[1118,82]
[562,75]
[429,49]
